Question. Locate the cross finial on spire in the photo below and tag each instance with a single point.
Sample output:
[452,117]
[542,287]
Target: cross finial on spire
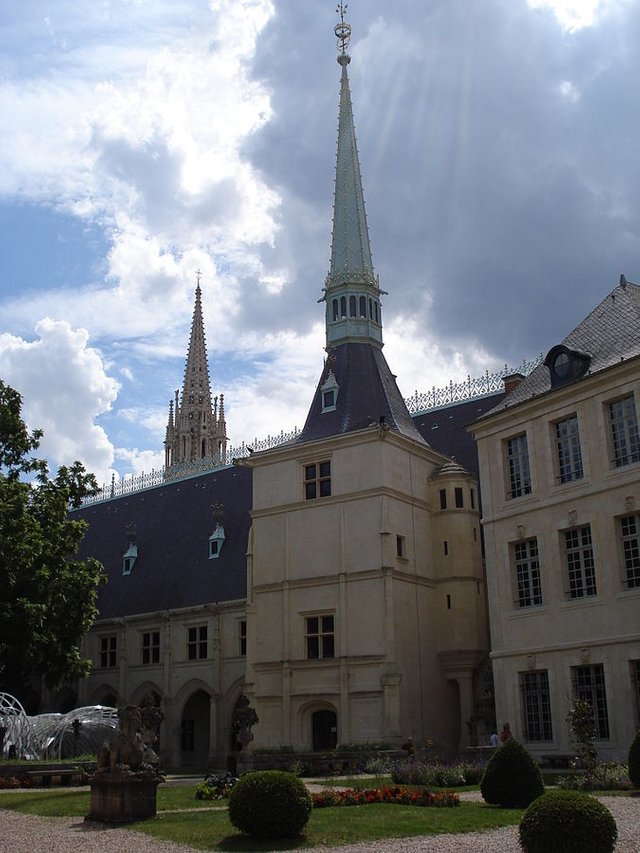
[198,276]
[342,30]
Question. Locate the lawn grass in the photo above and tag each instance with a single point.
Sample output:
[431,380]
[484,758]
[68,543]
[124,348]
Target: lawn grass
[208,828]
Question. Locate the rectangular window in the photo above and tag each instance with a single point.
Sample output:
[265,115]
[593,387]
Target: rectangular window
[630,531]
[588,684]
[188,735]
[108,651]
[472,498]
[624,431]
[197,642]
[317,480]
[400,549]
[319,635]
[568,452]
[536,706]
[527,573]
[518,461]
[635,683]
[580,564]
[459,498]
[242,637]
[443,498]
[151,647]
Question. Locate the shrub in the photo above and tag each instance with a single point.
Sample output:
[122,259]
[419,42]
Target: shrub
[634,761]
[269,804]
[604,777]
[394,794]
[441,775]
[567,822]
[512,778]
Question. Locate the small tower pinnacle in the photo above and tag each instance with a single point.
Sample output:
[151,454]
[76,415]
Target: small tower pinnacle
[194,431]
[342,31]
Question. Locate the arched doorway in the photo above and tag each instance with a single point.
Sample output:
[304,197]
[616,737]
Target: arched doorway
[194,730]
[324,728]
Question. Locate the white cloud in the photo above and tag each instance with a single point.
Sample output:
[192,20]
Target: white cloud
[65,388]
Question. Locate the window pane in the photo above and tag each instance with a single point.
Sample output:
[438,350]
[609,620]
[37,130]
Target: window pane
[631,550]
[568,450]
[580,563]
[588,684]
[536,705]
[527,569]
[624,431]
[518,459]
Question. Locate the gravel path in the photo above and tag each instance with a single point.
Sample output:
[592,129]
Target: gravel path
[28,834]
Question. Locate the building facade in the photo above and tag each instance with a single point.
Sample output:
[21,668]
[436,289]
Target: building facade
[559,462]
[332,588]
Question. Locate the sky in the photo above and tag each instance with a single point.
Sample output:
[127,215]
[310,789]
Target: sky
[142,140]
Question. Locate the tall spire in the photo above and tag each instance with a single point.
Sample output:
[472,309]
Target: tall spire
[194,430]
[352,290]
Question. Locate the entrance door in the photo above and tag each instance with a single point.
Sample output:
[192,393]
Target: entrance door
[325,730]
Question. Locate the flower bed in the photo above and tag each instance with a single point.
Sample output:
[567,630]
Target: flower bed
[402,796]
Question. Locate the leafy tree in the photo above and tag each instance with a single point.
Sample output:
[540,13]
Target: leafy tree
[47,596]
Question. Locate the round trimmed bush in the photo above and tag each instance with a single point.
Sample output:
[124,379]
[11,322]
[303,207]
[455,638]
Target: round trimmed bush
[270,804]
[567,822]
[634,761]
[512,778]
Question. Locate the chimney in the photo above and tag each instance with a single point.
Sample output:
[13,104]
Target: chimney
[511,381]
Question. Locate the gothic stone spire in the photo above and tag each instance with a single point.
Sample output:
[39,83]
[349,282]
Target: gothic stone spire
[194,430]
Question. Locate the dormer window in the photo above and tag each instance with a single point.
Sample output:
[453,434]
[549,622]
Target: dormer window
[128,559]
[329,393]
[216,541]
[565,364]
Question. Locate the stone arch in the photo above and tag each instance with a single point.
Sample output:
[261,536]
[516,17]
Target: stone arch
[195,729]
[319,726]
[147,687]
[106,695]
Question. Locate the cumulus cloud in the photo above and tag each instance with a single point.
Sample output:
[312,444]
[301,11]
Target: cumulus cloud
[65,388]
[498,151]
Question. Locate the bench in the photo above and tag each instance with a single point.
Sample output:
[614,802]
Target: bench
[48,778]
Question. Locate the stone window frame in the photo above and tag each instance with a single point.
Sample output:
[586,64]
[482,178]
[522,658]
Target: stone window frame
[150,647]
[527,578]
[535,697]
[320,636]
[588,683]
[629,534]
[624,434]
[197,642]
[108,651]
[568,449]
[580,564]
[518,468]
[316,479]
[242,637]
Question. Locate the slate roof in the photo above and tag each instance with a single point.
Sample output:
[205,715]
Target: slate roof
[174,523]
[445,429]
[367,392]
[610,333]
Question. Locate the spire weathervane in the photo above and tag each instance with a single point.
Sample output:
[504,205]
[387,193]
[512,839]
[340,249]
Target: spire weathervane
[342,30]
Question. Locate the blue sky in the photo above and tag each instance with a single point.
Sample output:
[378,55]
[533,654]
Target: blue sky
[142,140]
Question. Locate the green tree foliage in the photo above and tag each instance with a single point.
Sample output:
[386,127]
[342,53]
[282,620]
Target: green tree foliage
[583,728]
[47,595]
[512,778]
[567,822]
[270,804]
[634,761]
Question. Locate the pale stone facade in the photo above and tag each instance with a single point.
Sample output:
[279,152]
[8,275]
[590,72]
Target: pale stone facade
[192,661]
[366,606]
[559,471]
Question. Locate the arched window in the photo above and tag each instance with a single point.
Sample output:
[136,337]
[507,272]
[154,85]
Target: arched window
[371,309]
[363,307]
[343,306]
[375,308]
[352,306]
[335,309]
